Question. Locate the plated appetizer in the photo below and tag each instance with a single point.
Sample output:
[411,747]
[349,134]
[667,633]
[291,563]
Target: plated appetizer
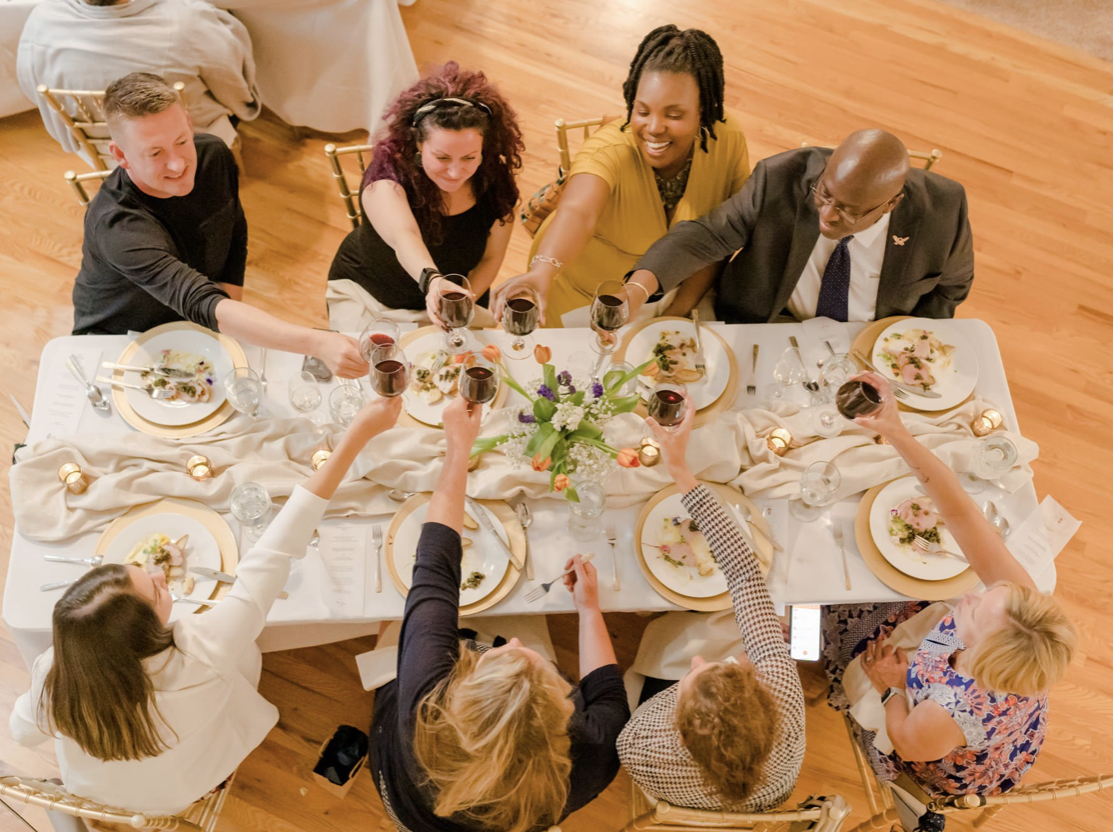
[684,546]
[198,387]
[915,517]
[675,353]
[158,553]
[915,357]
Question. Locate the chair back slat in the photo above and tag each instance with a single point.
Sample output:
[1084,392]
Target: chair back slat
[587,125]
[350,198]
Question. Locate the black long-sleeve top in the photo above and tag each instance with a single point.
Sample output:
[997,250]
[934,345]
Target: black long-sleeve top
[148,260]
[428,649]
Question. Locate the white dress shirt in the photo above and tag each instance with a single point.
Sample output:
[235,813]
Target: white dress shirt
[867,252]
[205,687]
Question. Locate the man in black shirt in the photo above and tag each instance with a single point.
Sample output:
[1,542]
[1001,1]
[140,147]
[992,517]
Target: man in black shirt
[166,237]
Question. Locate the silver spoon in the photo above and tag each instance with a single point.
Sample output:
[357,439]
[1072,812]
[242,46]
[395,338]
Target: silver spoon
[95,560]
[525,518]
[996,519]
[157,393]
[400,496]
[91,390]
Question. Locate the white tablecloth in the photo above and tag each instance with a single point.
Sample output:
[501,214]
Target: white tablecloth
[332,65]
[310,615]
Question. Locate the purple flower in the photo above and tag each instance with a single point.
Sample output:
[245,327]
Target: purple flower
[597,390]
[527,418]
[565,379]
[546,393]
[570,390]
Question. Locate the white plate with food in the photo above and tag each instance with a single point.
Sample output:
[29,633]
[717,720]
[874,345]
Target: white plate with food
[435,377]
[930,355]
[197,396]
[149,542]
[484,563]
[673,343]
[901,511]
[677,553]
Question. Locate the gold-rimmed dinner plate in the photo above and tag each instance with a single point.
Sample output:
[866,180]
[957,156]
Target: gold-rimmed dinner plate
[482,555]
[682,585]
[173,431]
[418,412]
[211,542]
[907,558]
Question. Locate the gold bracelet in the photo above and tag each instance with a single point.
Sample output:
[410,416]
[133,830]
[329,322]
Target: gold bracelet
[552,261]
[632,283]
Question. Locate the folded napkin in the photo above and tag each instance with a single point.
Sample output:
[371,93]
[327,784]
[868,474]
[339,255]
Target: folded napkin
[351,308]
[136,469]
[864,698]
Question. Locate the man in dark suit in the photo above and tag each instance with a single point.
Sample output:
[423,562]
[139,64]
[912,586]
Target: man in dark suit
[850,234]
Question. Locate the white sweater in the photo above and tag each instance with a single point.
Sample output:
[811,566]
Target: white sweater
[200,686]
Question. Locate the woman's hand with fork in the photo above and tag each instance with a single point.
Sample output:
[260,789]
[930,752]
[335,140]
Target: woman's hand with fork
[583,582]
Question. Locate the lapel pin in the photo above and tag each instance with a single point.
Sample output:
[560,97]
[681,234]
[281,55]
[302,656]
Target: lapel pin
[899,241]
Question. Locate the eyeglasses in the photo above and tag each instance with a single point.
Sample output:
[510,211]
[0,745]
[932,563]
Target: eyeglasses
[824,199]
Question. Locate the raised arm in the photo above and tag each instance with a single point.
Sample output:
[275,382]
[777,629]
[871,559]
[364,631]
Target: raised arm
[581,203]
[979,541]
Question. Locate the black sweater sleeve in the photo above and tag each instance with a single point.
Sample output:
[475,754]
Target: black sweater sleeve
[601,713]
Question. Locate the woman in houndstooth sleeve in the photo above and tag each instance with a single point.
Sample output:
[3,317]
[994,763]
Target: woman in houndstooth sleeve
[730,733]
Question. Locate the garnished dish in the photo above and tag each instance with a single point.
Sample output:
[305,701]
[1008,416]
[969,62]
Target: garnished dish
[915,357]
[916,517]
[675,353]
[195,388]
[899,514]
[157,552]
[684,547]
[436,375]
[472,581]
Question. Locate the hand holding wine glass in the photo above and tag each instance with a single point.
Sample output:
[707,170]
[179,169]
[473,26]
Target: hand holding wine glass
[667,404]
[390,371]
[380,332]
[521,311]
[456,308]
[610,309]
[479,382]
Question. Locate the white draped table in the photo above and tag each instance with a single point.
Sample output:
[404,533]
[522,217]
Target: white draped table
[310,614]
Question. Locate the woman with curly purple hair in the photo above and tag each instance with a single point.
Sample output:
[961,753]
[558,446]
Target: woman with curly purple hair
[439,193]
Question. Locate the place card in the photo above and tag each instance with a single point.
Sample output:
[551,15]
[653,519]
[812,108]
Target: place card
[344,553]
[1041,537]
[58,411]
[817,331]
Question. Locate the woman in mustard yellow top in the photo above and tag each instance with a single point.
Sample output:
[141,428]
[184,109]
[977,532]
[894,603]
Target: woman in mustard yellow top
[678,156]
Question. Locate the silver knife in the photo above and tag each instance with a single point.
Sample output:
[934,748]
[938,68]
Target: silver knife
[23,414]
[217,575]
[481,515]
[750,525]
[908,388]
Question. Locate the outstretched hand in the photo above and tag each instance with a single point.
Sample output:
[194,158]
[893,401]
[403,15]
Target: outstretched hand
[674,443]
[583,583]
[341,354]
[462,422]
[886,420]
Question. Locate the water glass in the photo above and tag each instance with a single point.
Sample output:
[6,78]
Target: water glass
[379,333]
[835,372]
[583,521]
[826,420]
[818,485]
[995,456]
[456,307]
[616,371]
[244,390]
[251,505]
[344,402]
[305,396]
[788,371]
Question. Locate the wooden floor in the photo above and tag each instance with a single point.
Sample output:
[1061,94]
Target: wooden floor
[1026,125]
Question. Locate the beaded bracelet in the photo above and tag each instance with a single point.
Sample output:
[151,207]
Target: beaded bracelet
[552,261]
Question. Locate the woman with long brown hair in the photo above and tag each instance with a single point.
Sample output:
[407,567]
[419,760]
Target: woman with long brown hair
[151,716]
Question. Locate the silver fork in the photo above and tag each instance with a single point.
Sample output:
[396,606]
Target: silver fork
[836,530]
[698,361]
[95,560]
[925,545]
[263,369]
[377,539]
[538,592]
[611,537]
[751,388]
[182,598]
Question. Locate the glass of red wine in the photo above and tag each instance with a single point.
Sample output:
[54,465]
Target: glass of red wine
[609,312]
[390,372]
[378,333]
[456,307]
[857,398]
[667,403]
[479,382]
[520,316]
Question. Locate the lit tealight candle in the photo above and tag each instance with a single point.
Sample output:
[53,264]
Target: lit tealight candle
[779,441]
[71,476]
[319,458]
[987,422]
[649,455]
[473,463]
[199,467]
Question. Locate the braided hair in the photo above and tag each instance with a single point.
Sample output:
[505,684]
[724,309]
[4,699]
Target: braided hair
[691,52]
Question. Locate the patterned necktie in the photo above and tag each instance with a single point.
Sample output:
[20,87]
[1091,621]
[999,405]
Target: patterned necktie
[834,290]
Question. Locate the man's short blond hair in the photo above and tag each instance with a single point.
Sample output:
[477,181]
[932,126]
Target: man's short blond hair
[136,95]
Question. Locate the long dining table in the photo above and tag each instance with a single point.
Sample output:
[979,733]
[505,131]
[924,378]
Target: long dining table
[810,570]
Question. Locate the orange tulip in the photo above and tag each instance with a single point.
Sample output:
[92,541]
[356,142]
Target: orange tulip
[492,353]
[628,458]
[540,464]
[561,482]
[462,357]
[542,354]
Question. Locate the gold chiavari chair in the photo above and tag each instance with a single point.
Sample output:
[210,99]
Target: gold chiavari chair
[201,816]
[819,814]
[77,182]
[82,111]
[899,802]
[928,158]
[334,153]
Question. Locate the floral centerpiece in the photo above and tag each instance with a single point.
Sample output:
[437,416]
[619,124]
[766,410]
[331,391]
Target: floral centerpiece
[560,430]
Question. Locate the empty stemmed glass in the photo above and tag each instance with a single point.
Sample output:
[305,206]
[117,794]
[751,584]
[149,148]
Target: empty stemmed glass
[251,505]
[380,332]
[390,371]
[520,316]
[818,485]
[456,307]
[479,382]
[305,396]
[788,371]
[835,372]
[344,402]
[995,456]
[609,310]
[667,404]
[244,390]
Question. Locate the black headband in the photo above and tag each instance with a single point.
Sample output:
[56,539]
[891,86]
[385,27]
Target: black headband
[425,109]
